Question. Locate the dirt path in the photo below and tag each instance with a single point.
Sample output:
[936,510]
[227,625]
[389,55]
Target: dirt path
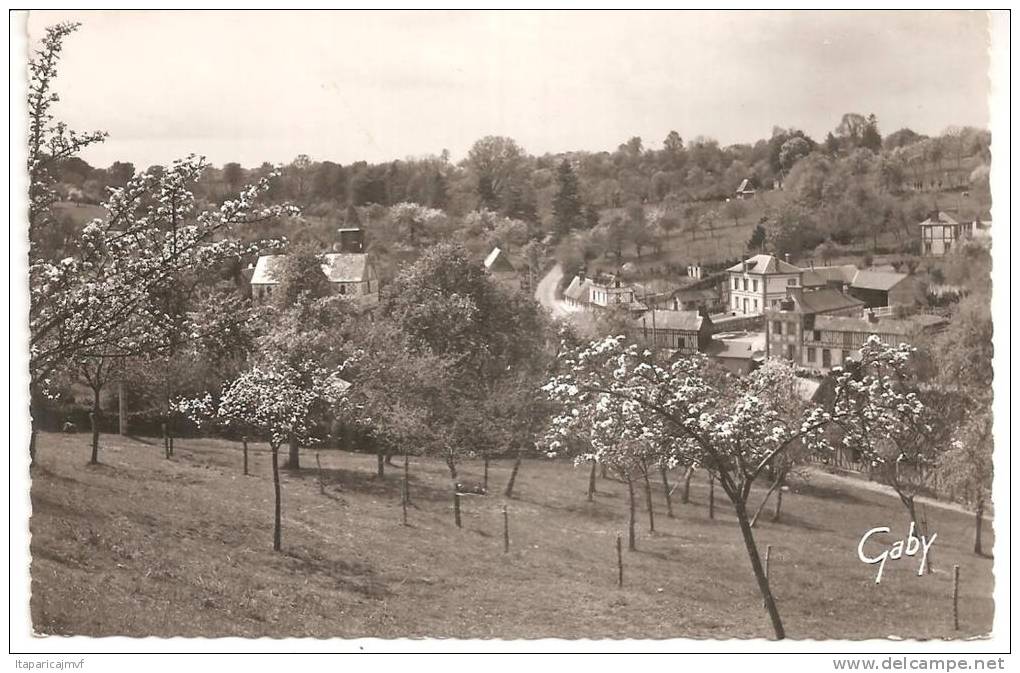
[876,487]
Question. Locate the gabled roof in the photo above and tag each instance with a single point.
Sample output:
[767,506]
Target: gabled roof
[497,262]
[578,290]
[765,264]
[339,267]
[685,321]
[741,350]
[877,280]
[745,185]
[939,218]
[827,300]
[823,275]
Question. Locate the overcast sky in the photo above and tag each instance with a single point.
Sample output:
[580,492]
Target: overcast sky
[261,86]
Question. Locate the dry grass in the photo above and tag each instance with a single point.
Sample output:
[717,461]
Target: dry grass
[145,546]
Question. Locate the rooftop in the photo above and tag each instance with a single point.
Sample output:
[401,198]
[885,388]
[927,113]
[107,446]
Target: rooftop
[690,321]
[497,261]
[877,280]
[765,264]
[339,267]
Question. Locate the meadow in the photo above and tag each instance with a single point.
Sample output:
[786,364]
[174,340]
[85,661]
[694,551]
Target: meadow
[142,545]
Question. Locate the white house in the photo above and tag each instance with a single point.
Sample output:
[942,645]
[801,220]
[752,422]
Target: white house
[350,271]
[759,282]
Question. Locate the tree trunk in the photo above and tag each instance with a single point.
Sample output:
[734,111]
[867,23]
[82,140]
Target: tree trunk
[919,529]
[591,482]
[759,571]
[686,497]
[485,475]
[779,505]
[648,502]
[380,465]
[94,417]
[757,513]
[294,456]
[711,496]
[978,522]
[31,446]
[509,492]
[277,519]
[667,492]
[407,478]
[631,536]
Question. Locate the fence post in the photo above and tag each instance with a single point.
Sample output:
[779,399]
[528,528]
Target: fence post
[956,598]
[619,558]
[506,531]
[403,499]
[318,464]
[244,446]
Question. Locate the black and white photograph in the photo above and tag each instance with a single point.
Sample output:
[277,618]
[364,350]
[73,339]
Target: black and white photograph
[465,330]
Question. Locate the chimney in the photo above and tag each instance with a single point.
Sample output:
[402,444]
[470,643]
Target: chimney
[812,264]
[745,263]
[787,257]
[352,239]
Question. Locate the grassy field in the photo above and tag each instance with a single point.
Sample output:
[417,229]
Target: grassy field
[141,545]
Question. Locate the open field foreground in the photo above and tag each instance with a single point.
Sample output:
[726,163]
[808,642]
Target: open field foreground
[141,545]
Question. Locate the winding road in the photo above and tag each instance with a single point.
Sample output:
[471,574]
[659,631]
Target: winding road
[545,293]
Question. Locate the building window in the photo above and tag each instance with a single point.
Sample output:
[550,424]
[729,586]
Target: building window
[777,327]
[810,354]
[791,281]
[736,284]
[745,285]
[755,304]
[754,285]
[826,358]
[790,354]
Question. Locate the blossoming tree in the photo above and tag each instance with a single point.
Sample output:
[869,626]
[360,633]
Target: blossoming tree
[278,400]
[734,429]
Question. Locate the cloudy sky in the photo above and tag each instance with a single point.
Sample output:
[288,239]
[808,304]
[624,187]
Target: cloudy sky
[266,86]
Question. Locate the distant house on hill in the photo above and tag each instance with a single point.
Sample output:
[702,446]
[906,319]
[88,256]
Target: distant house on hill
[746,189]
[940,234]
[350,271]
[502,271]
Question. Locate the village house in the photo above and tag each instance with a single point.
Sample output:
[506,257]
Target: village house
[795,316]
[746,189]
[603,291]
[759,282]
[940,234]
[833,340]
[502,270]
[682,331]
[349,270]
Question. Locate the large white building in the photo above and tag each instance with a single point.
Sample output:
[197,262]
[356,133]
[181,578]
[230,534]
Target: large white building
[760,282]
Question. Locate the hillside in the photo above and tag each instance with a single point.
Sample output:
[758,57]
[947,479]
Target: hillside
[141,545]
